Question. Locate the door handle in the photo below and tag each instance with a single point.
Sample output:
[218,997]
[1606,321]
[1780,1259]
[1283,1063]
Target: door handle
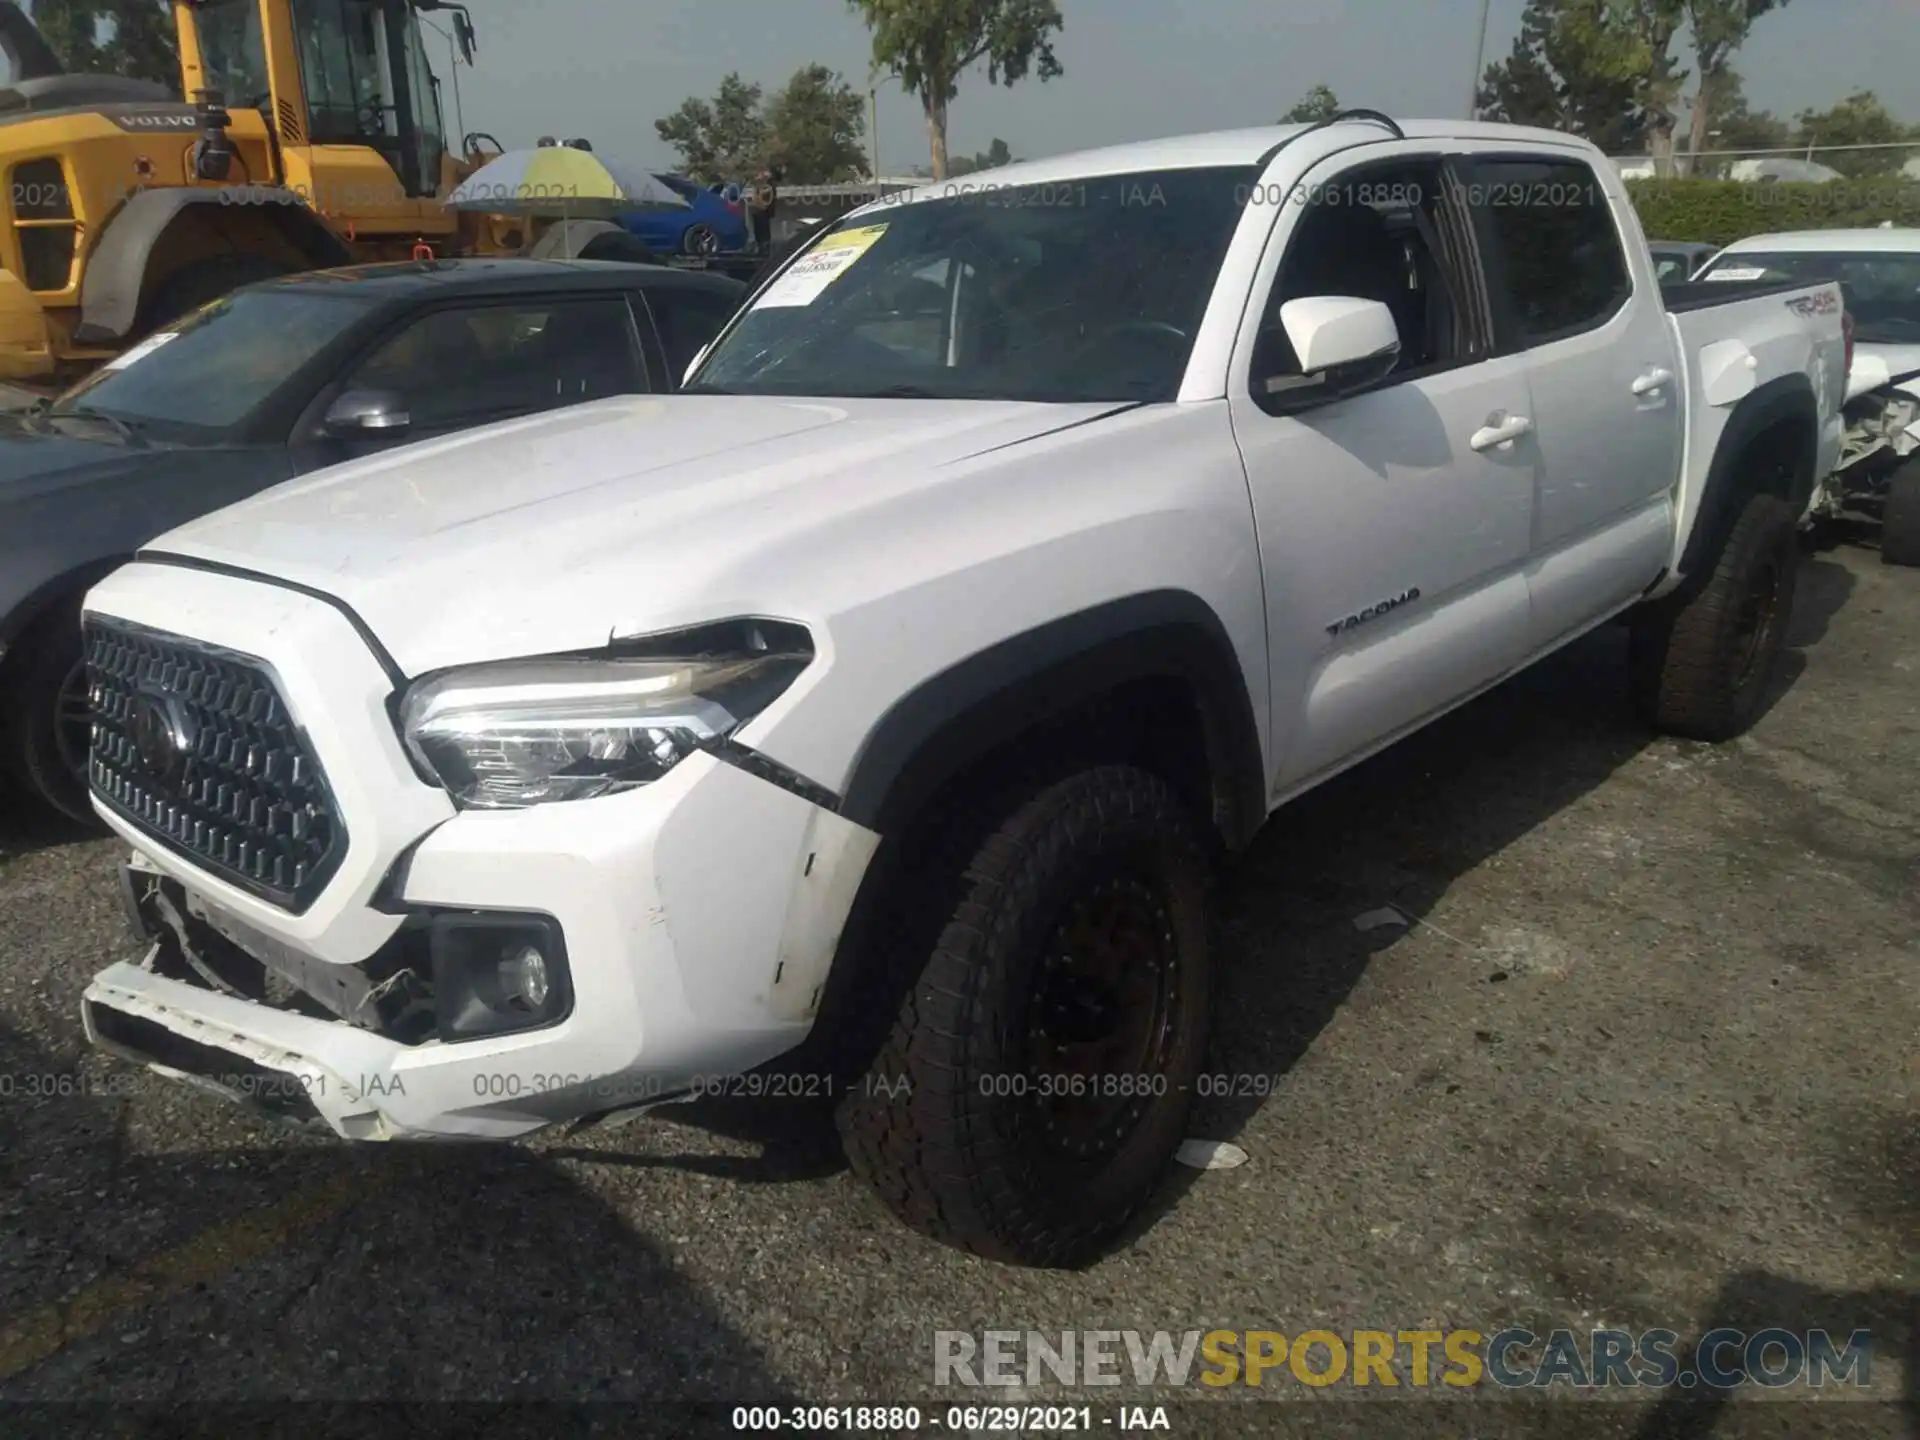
[1651,381]
[1500,432]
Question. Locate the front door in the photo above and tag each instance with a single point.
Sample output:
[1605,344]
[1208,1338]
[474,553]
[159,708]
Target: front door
[1394,524]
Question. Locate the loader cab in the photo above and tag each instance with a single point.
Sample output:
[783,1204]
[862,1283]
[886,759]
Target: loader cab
[334,79]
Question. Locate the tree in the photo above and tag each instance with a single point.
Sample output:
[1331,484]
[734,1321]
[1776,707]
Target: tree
[816,128]
[930,44]
[992,158]
[1860,119]
[1562,73]
[135,38]
[1319,103]
[720,139]
[1732,126]
[813,128]
[1631,42]
[1718,28]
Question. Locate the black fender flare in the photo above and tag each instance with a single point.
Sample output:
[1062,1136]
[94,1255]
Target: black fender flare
[1022,684]
[1786,401]
[114,290]
[49,593]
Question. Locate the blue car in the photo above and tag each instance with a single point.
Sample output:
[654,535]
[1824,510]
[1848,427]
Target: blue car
[714,222]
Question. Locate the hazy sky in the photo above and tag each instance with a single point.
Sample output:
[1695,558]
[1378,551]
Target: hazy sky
[607,69]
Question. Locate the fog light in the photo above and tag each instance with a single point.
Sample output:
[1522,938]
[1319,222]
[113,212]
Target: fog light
[494,973]
[523,978]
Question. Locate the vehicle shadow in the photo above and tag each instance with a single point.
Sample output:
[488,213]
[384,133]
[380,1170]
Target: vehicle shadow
[207,1291]
[1396,832]
[27,826]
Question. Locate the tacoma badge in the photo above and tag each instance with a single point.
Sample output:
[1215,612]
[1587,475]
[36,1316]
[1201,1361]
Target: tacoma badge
[1374,611]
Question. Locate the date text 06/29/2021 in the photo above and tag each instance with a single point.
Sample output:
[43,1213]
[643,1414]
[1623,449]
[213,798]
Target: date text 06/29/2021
[954,1419]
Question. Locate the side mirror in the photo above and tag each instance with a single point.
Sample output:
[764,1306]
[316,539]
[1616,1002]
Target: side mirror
[1342,343]
[367,412]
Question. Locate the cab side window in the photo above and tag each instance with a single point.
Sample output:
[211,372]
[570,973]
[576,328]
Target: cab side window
[470,365]
[1554,230]
[1380,233]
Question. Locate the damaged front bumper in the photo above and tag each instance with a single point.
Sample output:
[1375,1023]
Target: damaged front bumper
[699,919]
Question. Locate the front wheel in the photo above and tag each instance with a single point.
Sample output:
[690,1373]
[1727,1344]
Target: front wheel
[1702,658]
[1900,521]
[1037,1077]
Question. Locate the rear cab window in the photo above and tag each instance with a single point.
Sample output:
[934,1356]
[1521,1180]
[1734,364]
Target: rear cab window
[1553,246]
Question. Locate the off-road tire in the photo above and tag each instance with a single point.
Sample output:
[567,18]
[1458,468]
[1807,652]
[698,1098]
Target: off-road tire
[36,669]
[932,1127]
[1695,673]
[194,285]
[1900,521]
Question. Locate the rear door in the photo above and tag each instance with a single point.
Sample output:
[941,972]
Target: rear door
[1575,296]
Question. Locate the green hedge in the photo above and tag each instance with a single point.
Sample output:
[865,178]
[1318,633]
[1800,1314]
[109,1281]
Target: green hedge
[1721,211]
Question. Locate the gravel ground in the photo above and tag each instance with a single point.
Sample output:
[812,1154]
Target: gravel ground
[1642,1056]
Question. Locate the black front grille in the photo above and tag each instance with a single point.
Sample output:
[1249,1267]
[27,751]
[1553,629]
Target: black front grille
[194,745]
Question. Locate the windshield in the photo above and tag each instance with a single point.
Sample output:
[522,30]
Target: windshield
[1080,290]
[207,374]
[231,49]
[1882,288]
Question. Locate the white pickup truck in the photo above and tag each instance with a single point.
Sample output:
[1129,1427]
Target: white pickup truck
[1016,551]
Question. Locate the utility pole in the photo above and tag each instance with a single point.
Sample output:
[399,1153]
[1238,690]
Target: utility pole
[873,104]
[1479,62]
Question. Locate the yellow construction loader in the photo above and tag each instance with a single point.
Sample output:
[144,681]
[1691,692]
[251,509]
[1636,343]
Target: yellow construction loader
[310,135]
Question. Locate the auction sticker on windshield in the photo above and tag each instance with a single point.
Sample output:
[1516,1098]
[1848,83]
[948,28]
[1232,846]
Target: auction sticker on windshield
[809,276]
[145,348]
[1739,272]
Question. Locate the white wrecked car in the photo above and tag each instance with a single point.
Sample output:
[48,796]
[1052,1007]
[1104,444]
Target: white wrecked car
[1879,273]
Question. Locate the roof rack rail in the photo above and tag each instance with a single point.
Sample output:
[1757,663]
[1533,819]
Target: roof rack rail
[1376,117]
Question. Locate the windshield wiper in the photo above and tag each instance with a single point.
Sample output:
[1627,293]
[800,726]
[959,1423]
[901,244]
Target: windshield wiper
[83,412]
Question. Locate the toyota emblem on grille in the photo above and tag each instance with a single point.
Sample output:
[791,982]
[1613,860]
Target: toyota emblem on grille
[162,733]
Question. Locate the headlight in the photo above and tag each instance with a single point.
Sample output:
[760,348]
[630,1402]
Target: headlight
[526,732]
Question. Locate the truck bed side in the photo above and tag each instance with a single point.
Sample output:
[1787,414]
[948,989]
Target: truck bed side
[1750,356]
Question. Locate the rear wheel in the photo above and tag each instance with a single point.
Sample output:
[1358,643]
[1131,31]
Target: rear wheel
[194,285]
[1703,657]
[1037,1076]
[701,239]
[1900,522]
[48,722]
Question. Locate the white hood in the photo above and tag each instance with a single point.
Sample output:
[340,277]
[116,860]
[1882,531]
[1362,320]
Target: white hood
[561,530]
